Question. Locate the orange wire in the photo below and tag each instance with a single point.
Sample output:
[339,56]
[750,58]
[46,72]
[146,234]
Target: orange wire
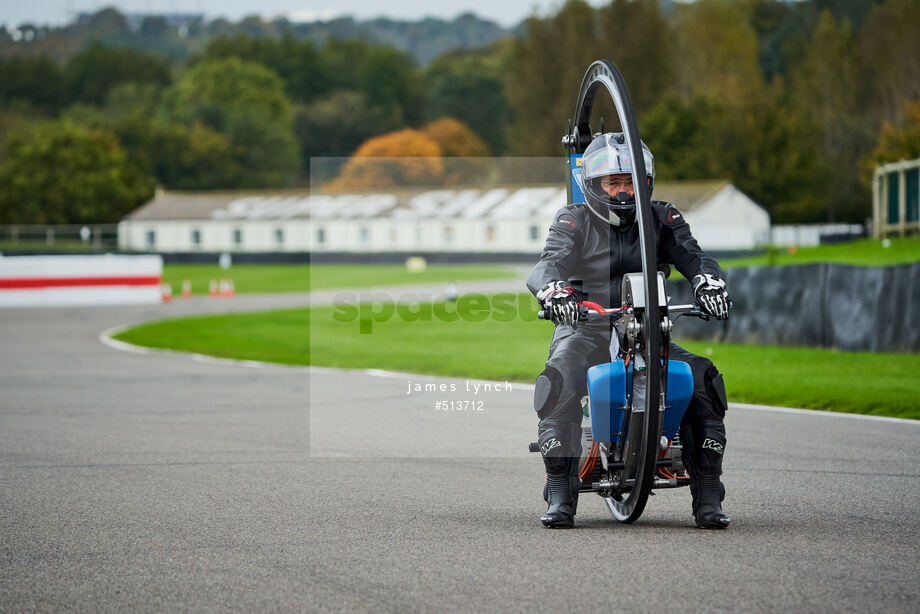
[589,462]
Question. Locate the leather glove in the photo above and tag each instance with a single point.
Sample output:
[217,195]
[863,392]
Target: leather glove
[557,298]
[711,294]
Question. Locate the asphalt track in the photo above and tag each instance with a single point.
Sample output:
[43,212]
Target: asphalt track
[158,482]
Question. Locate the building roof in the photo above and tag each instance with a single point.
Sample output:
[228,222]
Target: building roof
[494,202]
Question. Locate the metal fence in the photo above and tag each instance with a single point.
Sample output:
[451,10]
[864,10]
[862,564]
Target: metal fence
[896,198]
[59,237]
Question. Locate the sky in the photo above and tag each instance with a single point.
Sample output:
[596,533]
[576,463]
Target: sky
[59,12]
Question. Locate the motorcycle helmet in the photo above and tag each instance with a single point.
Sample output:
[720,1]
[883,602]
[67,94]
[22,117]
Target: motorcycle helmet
[608,155]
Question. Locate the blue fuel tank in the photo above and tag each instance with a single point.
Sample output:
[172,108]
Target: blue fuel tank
[607,392]
[680,389]
[607,386]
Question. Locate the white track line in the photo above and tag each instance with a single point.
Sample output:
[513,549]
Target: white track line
[105,337]
[819,412]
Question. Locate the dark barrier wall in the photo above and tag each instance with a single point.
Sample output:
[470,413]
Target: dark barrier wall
[826,305]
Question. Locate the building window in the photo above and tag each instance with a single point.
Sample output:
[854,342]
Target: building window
[364,235]
[151,238]
[320,235]
[534,233]
[196,238]
[237,237]
[448,234]
[490,233]
[279,236]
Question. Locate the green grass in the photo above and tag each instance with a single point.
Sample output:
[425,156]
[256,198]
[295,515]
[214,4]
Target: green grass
[303,278]
[870,383]
[864,252]
[59,245]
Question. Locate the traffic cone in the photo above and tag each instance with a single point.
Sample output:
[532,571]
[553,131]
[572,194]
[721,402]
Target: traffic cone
[212,288]
[186,288]
[226,288]
[166,292]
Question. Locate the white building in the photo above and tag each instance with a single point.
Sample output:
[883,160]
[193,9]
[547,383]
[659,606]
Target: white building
[508,219]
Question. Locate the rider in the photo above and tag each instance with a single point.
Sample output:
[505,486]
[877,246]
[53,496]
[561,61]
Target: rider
[588,250]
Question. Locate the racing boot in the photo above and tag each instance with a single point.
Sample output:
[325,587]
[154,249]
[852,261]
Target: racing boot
[709,514]
[686,455]
[560,457]
[710,492]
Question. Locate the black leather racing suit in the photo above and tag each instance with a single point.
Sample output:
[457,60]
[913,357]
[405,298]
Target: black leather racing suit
[593,256]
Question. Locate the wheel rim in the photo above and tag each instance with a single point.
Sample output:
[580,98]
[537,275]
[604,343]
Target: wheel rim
[603,73]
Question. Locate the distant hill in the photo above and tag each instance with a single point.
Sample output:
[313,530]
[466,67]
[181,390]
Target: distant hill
[179,35]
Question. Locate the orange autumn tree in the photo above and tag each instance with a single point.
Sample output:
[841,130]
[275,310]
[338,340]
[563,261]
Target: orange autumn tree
[455,139]
[444,152]
[466,155]
[404,157]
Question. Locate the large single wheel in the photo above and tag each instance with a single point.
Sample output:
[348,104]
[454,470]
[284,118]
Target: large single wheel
[644,426]
[624,508]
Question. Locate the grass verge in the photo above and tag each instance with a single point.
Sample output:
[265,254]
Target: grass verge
[501,339]
[303,278]
[864,252]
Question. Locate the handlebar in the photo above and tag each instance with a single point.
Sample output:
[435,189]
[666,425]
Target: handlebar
[687,310]
[586,311]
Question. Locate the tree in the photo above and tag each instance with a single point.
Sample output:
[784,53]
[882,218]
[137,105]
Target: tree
[761,147]
[464,152]
[825,87]
[638,40]
[180,157]
[545,72]
[770,155]
[683,139]
[898,142]
[455,139]
[298,63]
[217,87]
[31,82]
[402,158]
[782,30]
[468,87]
[891,58]
[60,173]
[93,72]
[716,52]
[177,155]
[385,76]
[133,98]
[246,102]
[336,125]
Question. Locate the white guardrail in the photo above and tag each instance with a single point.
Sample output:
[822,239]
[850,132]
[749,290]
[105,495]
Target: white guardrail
[57,281]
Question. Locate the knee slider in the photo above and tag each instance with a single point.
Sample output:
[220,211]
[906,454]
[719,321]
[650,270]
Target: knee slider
[547,390]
